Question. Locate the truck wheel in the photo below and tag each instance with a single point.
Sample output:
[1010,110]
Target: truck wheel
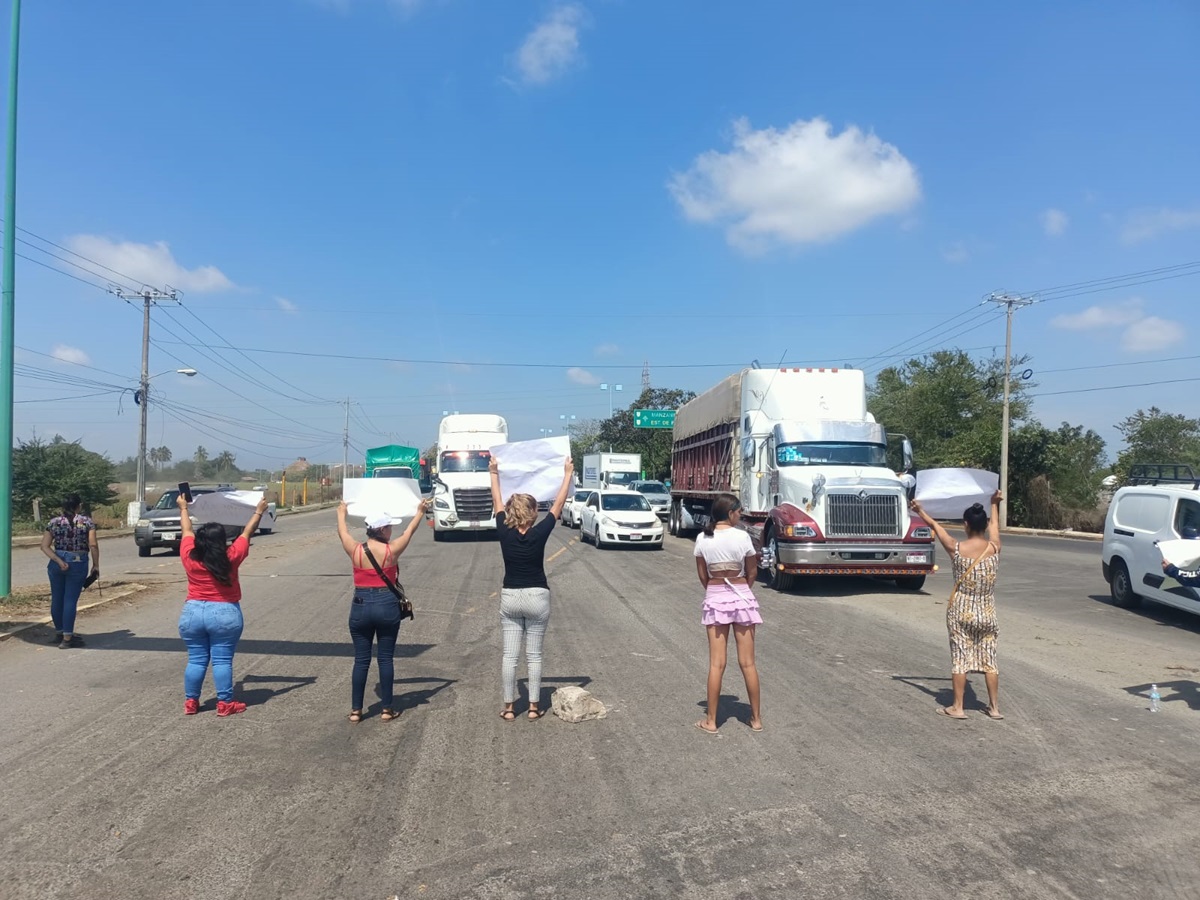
[911,582]
[143,552]
[1121,586]
[780,581]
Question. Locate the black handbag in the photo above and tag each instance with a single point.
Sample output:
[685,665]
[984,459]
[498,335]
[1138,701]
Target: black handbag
[406,607]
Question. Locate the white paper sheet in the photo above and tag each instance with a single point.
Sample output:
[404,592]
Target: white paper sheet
[396,498]
[233,508]
[532,467]
[947,493]
[1183,554]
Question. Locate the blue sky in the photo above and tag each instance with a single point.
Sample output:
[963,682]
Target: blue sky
[430,205]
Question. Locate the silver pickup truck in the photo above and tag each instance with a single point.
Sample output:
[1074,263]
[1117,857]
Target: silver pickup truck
[159,525]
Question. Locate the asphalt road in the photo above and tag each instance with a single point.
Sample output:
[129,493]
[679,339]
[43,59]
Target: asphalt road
[854,789]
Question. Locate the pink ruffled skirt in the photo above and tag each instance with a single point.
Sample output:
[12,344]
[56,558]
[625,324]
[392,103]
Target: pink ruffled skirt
[730,605]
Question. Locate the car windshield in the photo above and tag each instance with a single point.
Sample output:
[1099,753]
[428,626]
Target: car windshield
[581,496]
[167,500]
[464,461]
[652,487]
[624,502]
[831,453]
[622,478]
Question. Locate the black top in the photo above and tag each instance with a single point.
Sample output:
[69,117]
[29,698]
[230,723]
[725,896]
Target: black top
[524,554]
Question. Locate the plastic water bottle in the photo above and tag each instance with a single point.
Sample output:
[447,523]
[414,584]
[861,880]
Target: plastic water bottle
[1154,698]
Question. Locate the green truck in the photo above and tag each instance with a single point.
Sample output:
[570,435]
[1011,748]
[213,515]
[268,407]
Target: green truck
[393,461]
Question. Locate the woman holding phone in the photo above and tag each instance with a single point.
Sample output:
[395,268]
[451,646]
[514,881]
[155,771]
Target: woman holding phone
[211,621]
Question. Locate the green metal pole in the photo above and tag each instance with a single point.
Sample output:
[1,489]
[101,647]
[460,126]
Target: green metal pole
[6,314]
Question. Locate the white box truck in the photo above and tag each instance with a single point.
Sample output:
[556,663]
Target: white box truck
[462,490]
[809,464]
[610,470]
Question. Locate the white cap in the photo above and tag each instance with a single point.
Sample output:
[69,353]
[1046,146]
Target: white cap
[378,520]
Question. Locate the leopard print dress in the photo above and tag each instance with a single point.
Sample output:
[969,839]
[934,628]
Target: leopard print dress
[971,613]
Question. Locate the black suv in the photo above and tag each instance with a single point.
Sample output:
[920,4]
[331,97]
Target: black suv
[159,525]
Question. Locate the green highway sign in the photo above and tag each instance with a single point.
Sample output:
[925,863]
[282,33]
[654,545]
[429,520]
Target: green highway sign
[654,418]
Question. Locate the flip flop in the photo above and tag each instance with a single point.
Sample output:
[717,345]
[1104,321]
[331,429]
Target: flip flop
[700,725]
[992,715]
[949,715]
[759,728]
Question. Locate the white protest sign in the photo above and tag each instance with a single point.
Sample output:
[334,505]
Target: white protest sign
[396,498]
[1181,554]
[947,493]
[532,467]
[233,508]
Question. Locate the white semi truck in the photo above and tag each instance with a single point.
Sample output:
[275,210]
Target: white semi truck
[809,464]
[602,471]
[462,490]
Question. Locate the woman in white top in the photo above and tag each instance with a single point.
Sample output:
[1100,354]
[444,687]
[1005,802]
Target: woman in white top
[727,566]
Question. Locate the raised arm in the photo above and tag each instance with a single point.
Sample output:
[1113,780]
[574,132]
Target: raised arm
[564,489]
[348,542]
[397,545]
[942,535]
[494,471]
[185,520]
[994,519]
[252,525]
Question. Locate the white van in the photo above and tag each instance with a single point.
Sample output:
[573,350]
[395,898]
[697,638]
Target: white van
[1158,504]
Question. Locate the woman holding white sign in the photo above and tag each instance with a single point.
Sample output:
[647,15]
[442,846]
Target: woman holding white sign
[525,594]
[971,610]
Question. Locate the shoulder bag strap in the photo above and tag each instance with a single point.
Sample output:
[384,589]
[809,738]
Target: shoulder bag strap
[395,588]
[963,577]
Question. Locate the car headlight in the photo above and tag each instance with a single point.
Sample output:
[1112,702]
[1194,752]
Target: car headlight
[923,533]
[605,520]
[143,523]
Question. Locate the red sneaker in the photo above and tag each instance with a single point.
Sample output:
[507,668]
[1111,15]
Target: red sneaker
[191,706]
[231,708]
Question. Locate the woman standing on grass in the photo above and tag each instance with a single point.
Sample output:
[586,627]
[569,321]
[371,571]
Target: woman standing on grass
[211,621]
[69,541]
[727,565]
[375,610]
[525,594]
[971,611]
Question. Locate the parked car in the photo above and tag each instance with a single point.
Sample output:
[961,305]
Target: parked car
[574,507]
[1158,505]
[657,494]
[159,525]
[620,516]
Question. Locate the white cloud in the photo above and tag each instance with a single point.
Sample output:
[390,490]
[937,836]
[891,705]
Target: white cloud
[1054,222]
[149,264]
[800,185]
[1113,315]
[956,252]
[1145,225]
[286,305]
[70,355]
[1152,333]
[607,350]
[582,376]
[552,48]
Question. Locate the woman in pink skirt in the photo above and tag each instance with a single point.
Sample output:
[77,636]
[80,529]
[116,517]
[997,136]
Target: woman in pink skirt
[727,566]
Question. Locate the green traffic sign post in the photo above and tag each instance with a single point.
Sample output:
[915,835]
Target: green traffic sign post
[654,418]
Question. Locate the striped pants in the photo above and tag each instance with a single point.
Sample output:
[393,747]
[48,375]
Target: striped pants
[524,612]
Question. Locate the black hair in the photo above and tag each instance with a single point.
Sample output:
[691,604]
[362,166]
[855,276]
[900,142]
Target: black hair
[976,519]
[71,504]
[376,534]
[721,508]
[210,550]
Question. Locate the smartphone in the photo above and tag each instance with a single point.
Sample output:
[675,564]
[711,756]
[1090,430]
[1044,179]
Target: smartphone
[186,490]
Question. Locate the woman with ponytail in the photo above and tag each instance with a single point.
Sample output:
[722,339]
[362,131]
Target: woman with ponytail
[727,566]
[211,622]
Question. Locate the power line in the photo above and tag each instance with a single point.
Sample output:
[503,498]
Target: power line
[1115,387]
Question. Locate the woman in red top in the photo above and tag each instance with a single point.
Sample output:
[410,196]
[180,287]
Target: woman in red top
[211,622]
[375,611]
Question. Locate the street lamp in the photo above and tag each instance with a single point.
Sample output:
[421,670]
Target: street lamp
[610,388]
[141,398]
[566,420]
[546,431]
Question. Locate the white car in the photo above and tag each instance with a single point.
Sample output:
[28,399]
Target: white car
[1162,503]
[657,494]
[573,507]
[620,517]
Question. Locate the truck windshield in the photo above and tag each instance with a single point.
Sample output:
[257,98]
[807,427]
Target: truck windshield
[464,461]
[622,478]
[399,472]
[831,453]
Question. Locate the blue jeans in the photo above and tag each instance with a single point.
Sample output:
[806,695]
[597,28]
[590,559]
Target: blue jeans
[374,617]
[65,588]
[211,632]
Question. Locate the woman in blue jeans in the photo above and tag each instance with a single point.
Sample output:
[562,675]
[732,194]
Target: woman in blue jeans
[69,541]
[211,621]
[374,610]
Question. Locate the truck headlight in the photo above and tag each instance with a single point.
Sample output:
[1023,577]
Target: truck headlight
[441,504]
[806,531]
[923,533]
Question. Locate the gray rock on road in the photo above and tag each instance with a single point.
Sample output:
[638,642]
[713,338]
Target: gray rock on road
[574,704]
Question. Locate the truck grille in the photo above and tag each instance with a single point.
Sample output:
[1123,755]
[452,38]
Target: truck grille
[875,515]
[473,504]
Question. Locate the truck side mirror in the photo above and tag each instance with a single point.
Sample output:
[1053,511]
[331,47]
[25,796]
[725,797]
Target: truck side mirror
[748,450]
[907,450]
